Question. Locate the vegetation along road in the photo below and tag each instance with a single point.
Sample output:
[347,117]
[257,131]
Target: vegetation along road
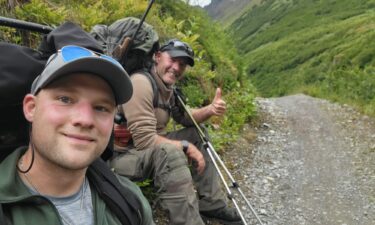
[309,162]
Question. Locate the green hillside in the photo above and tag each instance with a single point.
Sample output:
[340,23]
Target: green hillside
[324,48]
[226,11]
[217,61]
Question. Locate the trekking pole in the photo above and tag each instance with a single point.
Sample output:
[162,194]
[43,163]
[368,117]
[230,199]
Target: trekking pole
[214,156]
[20,24]
[121,50]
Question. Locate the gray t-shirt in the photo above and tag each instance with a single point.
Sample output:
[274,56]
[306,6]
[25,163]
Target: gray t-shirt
[76,209]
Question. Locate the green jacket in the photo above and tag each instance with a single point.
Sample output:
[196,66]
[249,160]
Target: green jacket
[22,208]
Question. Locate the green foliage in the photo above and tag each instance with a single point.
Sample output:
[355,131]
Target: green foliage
[217,60]
[322,48]
[229,12]
[355,86]
[240,109]
[217,65]
[41,12]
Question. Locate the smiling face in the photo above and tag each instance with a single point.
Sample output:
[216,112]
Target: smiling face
[169,69]
[72,120]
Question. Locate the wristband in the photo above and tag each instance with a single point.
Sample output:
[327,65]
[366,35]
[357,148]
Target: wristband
[185,145]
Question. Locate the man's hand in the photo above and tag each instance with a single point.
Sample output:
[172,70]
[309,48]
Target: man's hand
[218,105]
[216,108]
[195,155]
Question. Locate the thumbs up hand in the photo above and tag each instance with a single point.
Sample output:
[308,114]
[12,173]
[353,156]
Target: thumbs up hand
[218,105]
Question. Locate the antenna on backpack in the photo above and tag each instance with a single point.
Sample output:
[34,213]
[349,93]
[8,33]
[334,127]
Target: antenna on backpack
[121,50]
[20,24]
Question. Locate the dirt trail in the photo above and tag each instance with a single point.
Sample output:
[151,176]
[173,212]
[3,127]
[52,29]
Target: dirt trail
[308,162]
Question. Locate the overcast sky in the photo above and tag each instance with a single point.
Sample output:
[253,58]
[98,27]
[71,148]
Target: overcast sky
[200,2]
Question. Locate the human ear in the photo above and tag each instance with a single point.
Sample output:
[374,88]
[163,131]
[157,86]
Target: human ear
[29,107]
[157,57]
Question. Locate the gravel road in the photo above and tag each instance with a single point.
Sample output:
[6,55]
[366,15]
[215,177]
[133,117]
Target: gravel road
[306,161]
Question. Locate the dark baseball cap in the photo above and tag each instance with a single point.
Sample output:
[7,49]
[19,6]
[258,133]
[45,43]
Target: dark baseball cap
[177,48]
[73,59]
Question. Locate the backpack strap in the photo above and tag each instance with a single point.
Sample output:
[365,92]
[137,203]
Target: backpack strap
[2,217]
[155,90]
[120,117]
[155,101]
[118,198]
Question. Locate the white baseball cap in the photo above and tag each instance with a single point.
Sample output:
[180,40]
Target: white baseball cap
[73,59]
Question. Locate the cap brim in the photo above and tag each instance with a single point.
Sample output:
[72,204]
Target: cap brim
[180,53]
[112,74]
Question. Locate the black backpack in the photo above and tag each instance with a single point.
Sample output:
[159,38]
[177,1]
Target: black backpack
[18,68]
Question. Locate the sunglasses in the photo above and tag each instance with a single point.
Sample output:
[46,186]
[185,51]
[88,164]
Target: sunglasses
[68,54]
[71,53]
[176,44]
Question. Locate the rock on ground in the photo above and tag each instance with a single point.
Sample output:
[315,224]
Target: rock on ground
[305,161]
[312,162]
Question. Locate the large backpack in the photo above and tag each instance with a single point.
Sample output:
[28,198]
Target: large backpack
[141,48]
[18,68]
[138,57]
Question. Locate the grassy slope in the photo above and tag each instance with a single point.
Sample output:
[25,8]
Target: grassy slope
[323,48]
[226,12]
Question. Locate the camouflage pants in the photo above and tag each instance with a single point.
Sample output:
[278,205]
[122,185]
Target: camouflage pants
[168,168]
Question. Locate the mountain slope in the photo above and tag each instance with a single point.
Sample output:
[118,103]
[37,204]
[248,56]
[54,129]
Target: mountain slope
[226,11]
[323,48]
